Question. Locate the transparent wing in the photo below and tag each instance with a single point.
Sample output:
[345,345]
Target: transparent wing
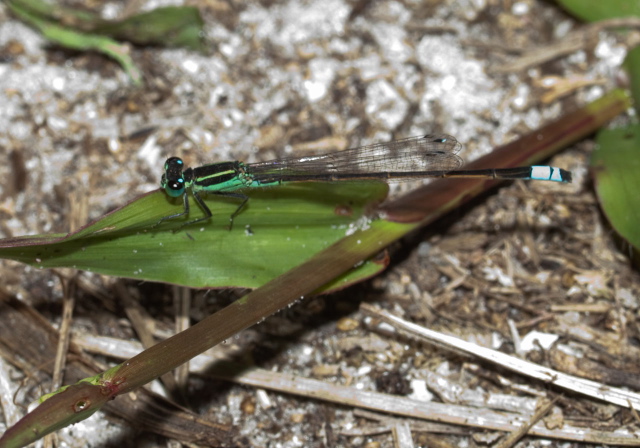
[414,156]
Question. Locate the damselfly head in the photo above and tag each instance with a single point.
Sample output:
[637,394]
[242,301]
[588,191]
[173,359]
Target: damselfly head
[172,180]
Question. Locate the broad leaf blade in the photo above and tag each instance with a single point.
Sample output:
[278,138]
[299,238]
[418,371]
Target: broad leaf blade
[278,229]
[616,168]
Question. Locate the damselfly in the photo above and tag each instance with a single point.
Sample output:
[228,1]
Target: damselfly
[432,155]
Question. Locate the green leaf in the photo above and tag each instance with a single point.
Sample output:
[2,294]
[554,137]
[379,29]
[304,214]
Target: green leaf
[632,65]
[594,10]
[279,228]
[616,168]
[172,26]
[69,38]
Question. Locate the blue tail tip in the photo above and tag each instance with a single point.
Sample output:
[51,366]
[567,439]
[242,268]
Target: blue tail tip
[550,173]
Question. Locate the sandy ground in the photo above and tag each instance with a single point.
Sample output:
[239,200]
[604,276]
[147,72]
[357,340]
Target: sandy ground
[284,78]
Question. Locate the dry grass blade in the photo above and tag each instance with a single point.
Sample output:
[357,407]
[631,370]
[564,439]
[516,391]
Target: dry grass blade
[593,389]
[577,40]
[473,417]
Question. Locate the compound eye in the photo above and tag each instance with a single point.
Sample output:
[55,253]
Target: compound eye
[173,163]
[175,188]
